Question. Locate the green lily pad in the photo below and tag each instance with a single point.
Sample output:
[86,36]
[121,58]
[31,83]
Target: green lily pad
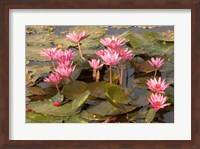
[140,83]
[38,29]
[150,115]
[57,97]
[35,90]
[75,119]
[80,100]
[32,117]
[134,39]
[167,72]
[39,40]
[139,114]
[92,117]
[105,108]
[98,89]
[139,101]
[46,107]
[37,70]
[117,95]
[74,89]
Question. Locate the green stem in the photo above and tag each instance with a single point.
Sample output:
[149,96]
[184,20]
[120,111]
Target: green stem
[155,73]
[58,89]
[121,75]
[53,64]
[110,74]
[80,50]
[118,71]
[126,74]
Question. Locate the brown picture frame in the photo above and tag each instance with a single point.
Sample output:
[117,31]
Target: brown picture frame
[6,5]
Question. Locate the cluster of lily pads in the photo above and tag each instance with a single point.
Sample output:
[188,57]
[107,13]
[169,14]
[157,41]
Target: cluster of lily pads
[112,94]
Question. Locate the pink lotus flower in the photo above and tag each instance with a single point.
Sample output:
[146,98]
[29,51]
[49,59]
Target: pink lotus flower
[53,78]
[64,71]
[95,63]
[66,55]
[66,63]
[157,62]
[77,38]
[49,53]
[56,103]
[113,43]
[157,101]
[126,54]
[157,85]
[110,58]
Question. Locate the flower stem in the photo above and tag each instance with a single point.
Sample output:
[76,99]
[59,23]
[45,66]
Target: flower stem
[97,76]
[57,89]
[70,78]
[118,71]
[80,50]
[94,74]
[110,74]
[126,74]
[53,64]
[155,73]
[121,76]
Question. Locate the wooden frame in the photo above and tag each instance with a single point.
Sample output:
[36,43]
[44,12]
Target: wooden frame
[194,5]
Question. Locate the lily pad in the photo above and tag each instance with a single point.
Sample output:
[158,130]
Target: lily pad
[105,108]
[32,117]
[92,117]
[35,90]
[167,72]
[98,89]
[139,114]
[74,89]
[140,83]
[150,115]
[57,97]
[46,107]
[117,95]
[75,119]
[80,100]
[139,101]
[134,39]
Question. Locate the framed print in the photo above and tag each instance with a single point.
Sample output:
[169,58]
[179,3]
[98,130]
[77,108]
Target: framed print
[79,74]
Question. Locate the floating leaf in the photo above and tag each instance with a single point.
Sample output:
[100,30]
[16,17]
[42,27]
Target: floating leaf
[74,89]
[139,101]
[46,107]
[169,117]
[144,67]
[140,82]
[57,97]
[105,108]
[92,117]
[80,100]
[75,119]
[32,117]
[150,115]
[35,90]
[98,89]
[134,39]
[139,114]
[34,53]
[37,70]
[117,95]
